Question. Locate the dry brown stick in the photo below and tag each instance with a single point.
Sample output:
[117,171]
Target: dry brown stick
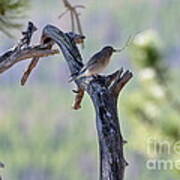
[72,22]
[73,13]
[44,42]
[27,73]
[78,21]
[31,66]
[62,14]
[78,39]
[78,99]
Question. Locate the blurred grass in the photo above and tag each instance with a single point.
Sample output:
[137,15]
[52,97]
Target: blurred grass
[40,132]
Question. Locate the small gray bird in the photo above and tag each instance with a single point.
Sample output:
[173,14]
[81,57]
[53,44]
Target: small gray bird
[97,63]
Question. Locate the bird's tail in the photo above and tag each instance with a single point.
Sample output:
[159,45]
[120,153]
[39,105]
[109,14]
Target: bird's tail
[73,78]
[77,76]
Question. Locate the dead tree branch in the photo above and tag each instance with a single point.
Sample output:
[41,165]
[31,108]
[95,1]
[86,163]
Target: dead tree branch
[11,57]
[74,16]
[104,91]
[78,39]
[2,165]
[78,99]
[23,51]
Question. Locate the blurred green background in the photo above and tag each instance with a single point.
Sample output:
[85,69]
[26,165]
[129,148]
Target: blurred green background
[42,138]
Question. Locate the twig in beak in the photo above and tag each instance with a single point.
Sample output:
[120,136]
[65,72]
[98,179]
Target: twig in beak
[128,42]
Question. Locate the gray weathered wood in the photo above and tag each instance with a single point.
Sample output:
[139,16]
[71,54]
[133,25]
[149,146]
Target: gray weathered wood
[11,57]
[104,93]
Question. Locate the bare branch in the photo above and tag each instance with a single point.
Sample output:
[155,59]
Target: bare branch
[78,99]
[74,16]
[12,57]
[31,66]
[44,42]
[120,82]
[79,6]
[27,35]
[72,22]
[110,78]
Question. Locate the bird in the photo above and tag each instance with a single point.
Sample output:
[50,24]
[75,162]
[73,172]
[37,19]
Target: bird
[97,63]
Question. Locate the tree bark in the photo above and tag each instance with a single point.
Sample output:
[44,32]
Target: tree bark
[112,162]
[104,92]
[11,57]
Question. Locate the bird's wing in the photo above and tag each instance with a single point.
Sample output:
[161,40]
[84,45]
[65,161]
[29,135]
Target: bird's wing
[93,60]
[83,69]
[89,65]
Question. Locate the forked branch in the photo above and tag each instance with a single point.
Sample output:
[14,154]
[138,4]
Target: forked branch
[104,92]
[74,15]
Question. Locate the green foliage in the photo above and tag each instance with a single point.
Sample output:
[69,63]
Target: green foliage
[10,12]
[146,50]
[152,107]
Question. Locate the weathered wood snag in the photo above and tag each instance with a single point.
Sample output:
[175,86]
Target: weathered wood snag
[13,56]
[104,92]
